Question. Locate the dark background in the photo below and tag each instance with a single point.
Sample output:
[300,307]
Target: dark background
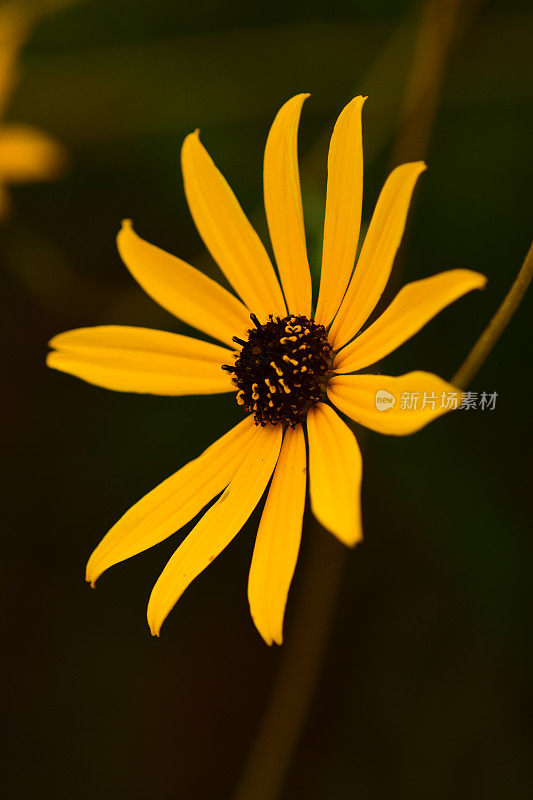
[425,688]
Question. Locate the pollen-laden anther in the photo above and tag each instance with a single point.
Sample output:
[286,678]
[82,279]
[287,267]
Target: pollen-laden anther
[279,372]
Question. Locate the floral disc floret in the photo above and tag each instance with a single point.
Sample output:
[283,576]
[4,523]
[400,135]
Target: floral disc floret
[281,370]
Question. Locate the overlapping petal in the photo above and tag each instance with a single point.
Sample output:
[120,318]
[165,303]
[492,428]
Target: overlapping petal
[335,472]
[278,539]
[128,359]
[227,233]
[344,201]
[218,526]
[404,404]
[283,206]
[175,501]
[414,306]
[181,289]
[375,261]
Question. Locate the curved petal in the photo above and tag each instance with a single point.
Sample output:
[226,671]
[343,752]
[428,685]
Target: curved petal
[377,255]
[219,525]
[344,201]
[227,233]
[181,289]
[283,206]
[278,539]
[142,360]
[335,472]
[175,501]
[415,305]
[396,406]
[27,154]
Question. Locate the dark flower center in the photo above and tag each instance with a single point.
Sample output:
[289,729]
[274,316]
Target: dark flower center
[280,371]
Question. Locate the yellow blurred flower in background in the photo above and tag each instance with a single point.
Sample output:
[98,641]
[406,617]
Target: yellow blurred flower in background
[26,153]
[292,368]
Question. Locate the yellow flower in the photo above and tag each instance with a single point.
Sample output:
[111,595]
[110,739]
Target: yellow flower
[26,153]
[292,369]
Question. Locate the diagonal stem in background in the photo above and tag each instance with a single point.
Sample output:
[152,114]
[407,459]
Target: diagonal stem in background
[496,326]
[302,658]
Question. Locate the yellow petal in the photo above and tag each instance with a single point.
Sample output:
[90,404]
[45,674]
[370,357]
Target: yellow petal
[142,360]
[283,205]
[175,501]
[396,406]
[375,261]
[335,472]
[27,154]
[278,539]
[181,289]
[344,201]
[227,233]
[219,525]
[415,305]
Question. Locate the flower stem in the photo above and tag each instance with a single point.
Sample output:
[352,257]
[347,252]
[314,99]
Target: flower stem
[436,31]
[482,348]
[302,657]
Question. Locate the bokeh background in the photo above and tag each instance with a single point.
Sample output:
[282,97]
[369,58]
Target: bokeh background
[424,690]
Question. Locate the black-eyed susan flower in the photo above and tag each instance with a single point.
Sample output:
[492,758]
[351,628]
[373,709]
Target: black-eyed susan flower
[292,369]
[26,153]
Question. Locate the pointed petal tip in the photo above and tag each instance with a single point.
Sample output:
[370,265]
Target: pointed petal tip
[294,104]
[267,638]
[346,538]
[93,570]
[297,99]
[154,622]
[418,166]
[477,279]
[126,228]
[191,138]
[91,576]
[267,635]
[55,344]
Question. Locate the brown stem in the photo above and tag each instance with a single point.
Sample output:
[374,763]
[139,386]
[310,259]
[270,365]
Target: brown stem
[436,31]
[295,683]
